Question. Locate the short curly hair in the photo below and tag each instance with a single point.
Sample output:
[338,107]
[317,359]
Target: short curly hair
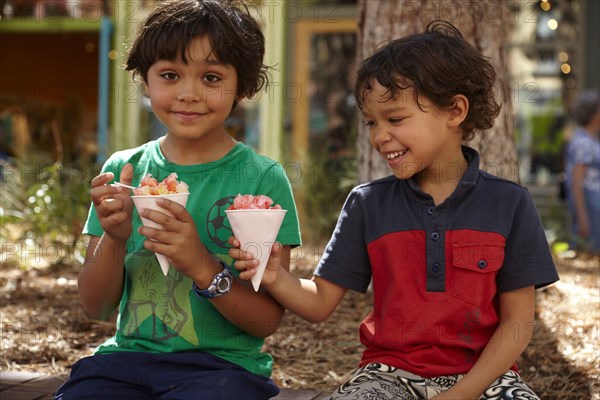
[234,34]
[438,64]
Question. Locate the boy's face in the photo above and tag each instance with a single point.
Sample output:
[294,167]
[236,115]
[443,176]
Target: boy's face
[194,99]
[412,140]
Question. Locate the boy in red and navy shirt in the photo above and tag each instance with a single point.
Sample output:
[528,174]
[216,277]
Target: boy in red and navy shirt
[454,254]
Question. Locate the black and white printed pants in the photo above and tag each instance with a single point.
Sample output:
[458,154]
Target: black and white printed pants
[377,381]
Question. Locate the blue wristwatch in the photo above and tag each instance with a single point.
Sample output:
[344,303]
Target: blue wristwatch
[220,285]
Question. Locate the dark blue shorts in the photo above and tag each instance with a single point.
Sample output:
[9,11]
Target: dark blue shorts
[135,375]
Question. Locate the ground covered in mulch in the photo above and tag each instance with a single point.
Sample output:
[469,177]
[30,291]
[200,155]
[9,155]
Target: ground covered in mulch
[42,329]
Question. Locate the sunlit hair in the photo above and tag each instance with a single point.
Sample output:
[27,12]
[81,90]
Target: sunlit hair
[438,64]
[234,35]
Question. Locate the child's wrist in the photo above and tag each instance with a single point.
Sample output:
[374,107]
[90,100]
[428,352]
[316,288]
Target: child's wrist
[204,274]
[114,241]
[279,282]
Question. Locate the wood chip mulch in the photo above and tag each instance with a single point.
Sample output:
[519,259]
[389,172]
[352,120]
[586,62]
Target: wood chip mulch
[42,329]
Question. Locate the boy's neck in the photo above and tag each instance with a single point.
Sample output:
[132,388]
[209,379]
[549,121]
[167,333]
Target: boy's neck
[190,152]
[441,182]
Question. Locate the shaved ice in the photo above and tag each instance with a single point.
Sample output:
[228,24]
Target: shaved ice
[250,202]
[149,186]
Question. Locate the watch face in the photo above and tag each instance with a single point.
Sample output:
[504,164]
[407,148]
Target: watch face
[224,284]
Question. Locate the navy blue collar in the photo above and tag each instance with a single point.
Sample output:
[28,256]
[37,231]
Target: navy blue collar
[467,181]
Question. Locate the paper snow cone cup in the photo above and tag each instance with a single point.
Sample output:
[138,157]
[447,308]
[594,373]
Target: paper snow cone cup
[256,229]
[142,202]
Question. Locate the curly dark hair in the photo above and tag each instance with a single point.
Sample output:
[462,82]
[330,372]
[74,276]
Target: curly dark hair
[234,34]
[437,64]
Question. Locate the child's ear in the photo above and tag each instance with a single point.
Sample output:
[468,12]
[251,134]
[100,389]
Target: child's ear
[457,112]
[144,86]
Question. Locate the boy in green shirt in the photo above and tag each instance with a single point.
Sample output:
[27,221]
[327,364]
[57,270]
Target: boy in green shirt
[182,335]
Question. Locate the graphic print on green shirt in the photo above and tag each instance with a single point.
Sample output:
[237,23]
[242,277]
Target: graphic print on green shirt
[167,319]
[160,313]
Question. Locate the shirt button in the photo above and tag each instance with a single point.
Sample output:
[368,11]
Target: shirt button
[482,264]
[435,267]
[430,210]
[435,236]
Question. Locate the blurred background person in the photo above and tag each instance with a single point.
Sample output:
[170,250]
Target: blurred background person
[583,172]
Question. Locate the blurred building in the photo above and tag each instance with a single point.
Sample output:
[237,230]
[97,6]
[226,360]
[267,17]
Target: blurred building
[64,95]
[49,78]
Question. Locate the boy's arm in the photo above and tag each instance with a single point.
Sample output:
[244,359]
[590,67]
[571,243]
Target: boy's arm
[313,300]
[576,188]
[257,313]
[512,336]
[101,278]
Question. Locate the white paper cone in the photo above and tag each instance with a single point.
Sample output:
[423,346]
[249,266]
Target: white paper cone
[142,202]
[256,229]
[164,263]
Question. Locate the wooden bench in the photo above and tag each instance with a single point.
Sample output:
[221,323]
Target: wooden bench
[17,385]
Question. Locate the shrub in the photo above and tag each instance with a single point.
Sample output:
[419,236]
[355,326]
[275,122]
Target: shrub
[44,205]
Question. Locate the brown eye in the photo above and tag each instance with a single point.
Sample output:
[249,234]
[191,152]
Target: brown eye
[212,78]
[170,76]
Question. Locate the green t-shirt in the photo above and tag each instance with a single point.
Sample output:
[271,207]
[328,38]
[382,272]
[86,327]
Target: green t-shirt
[161,314]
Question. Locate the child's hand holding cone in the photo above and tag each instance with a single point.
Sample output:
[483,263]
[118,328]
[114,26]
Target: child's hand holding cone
[156,213]
[176,237]
[172,235]
[248,264]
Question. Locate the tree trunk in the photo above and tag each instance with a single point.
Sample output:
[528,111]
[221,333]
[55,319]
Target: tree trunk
[485,24]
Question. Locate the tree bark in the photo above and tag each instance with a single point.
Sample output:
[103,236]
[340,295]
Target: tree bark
[485,24]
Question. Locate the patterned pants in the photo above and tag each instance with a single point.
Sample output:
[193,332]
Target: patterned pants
[381,382]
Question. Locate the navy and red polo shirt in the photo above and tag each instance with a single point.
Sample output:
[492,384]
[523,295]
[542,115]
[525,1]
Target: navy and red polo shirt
[437,271]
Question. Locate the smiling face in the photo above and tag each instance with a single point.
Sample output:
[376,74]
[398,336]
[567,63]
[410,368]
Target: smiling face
[414,141]
[193,99]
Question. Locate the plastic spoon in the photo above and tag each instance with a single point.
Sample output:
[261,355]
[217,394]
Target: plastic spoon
[124,185]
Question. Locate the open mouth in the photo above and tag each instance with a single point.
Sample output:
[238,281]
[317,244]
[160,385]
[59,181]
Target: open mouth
[395,155]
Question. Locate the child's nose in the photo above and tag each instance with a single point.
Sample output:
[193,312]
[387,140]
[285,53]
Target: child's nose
[190,92]
[380,135]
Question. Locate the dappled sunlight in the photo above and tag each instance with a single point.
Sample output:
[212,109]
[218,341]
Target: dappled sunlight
[43,329]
